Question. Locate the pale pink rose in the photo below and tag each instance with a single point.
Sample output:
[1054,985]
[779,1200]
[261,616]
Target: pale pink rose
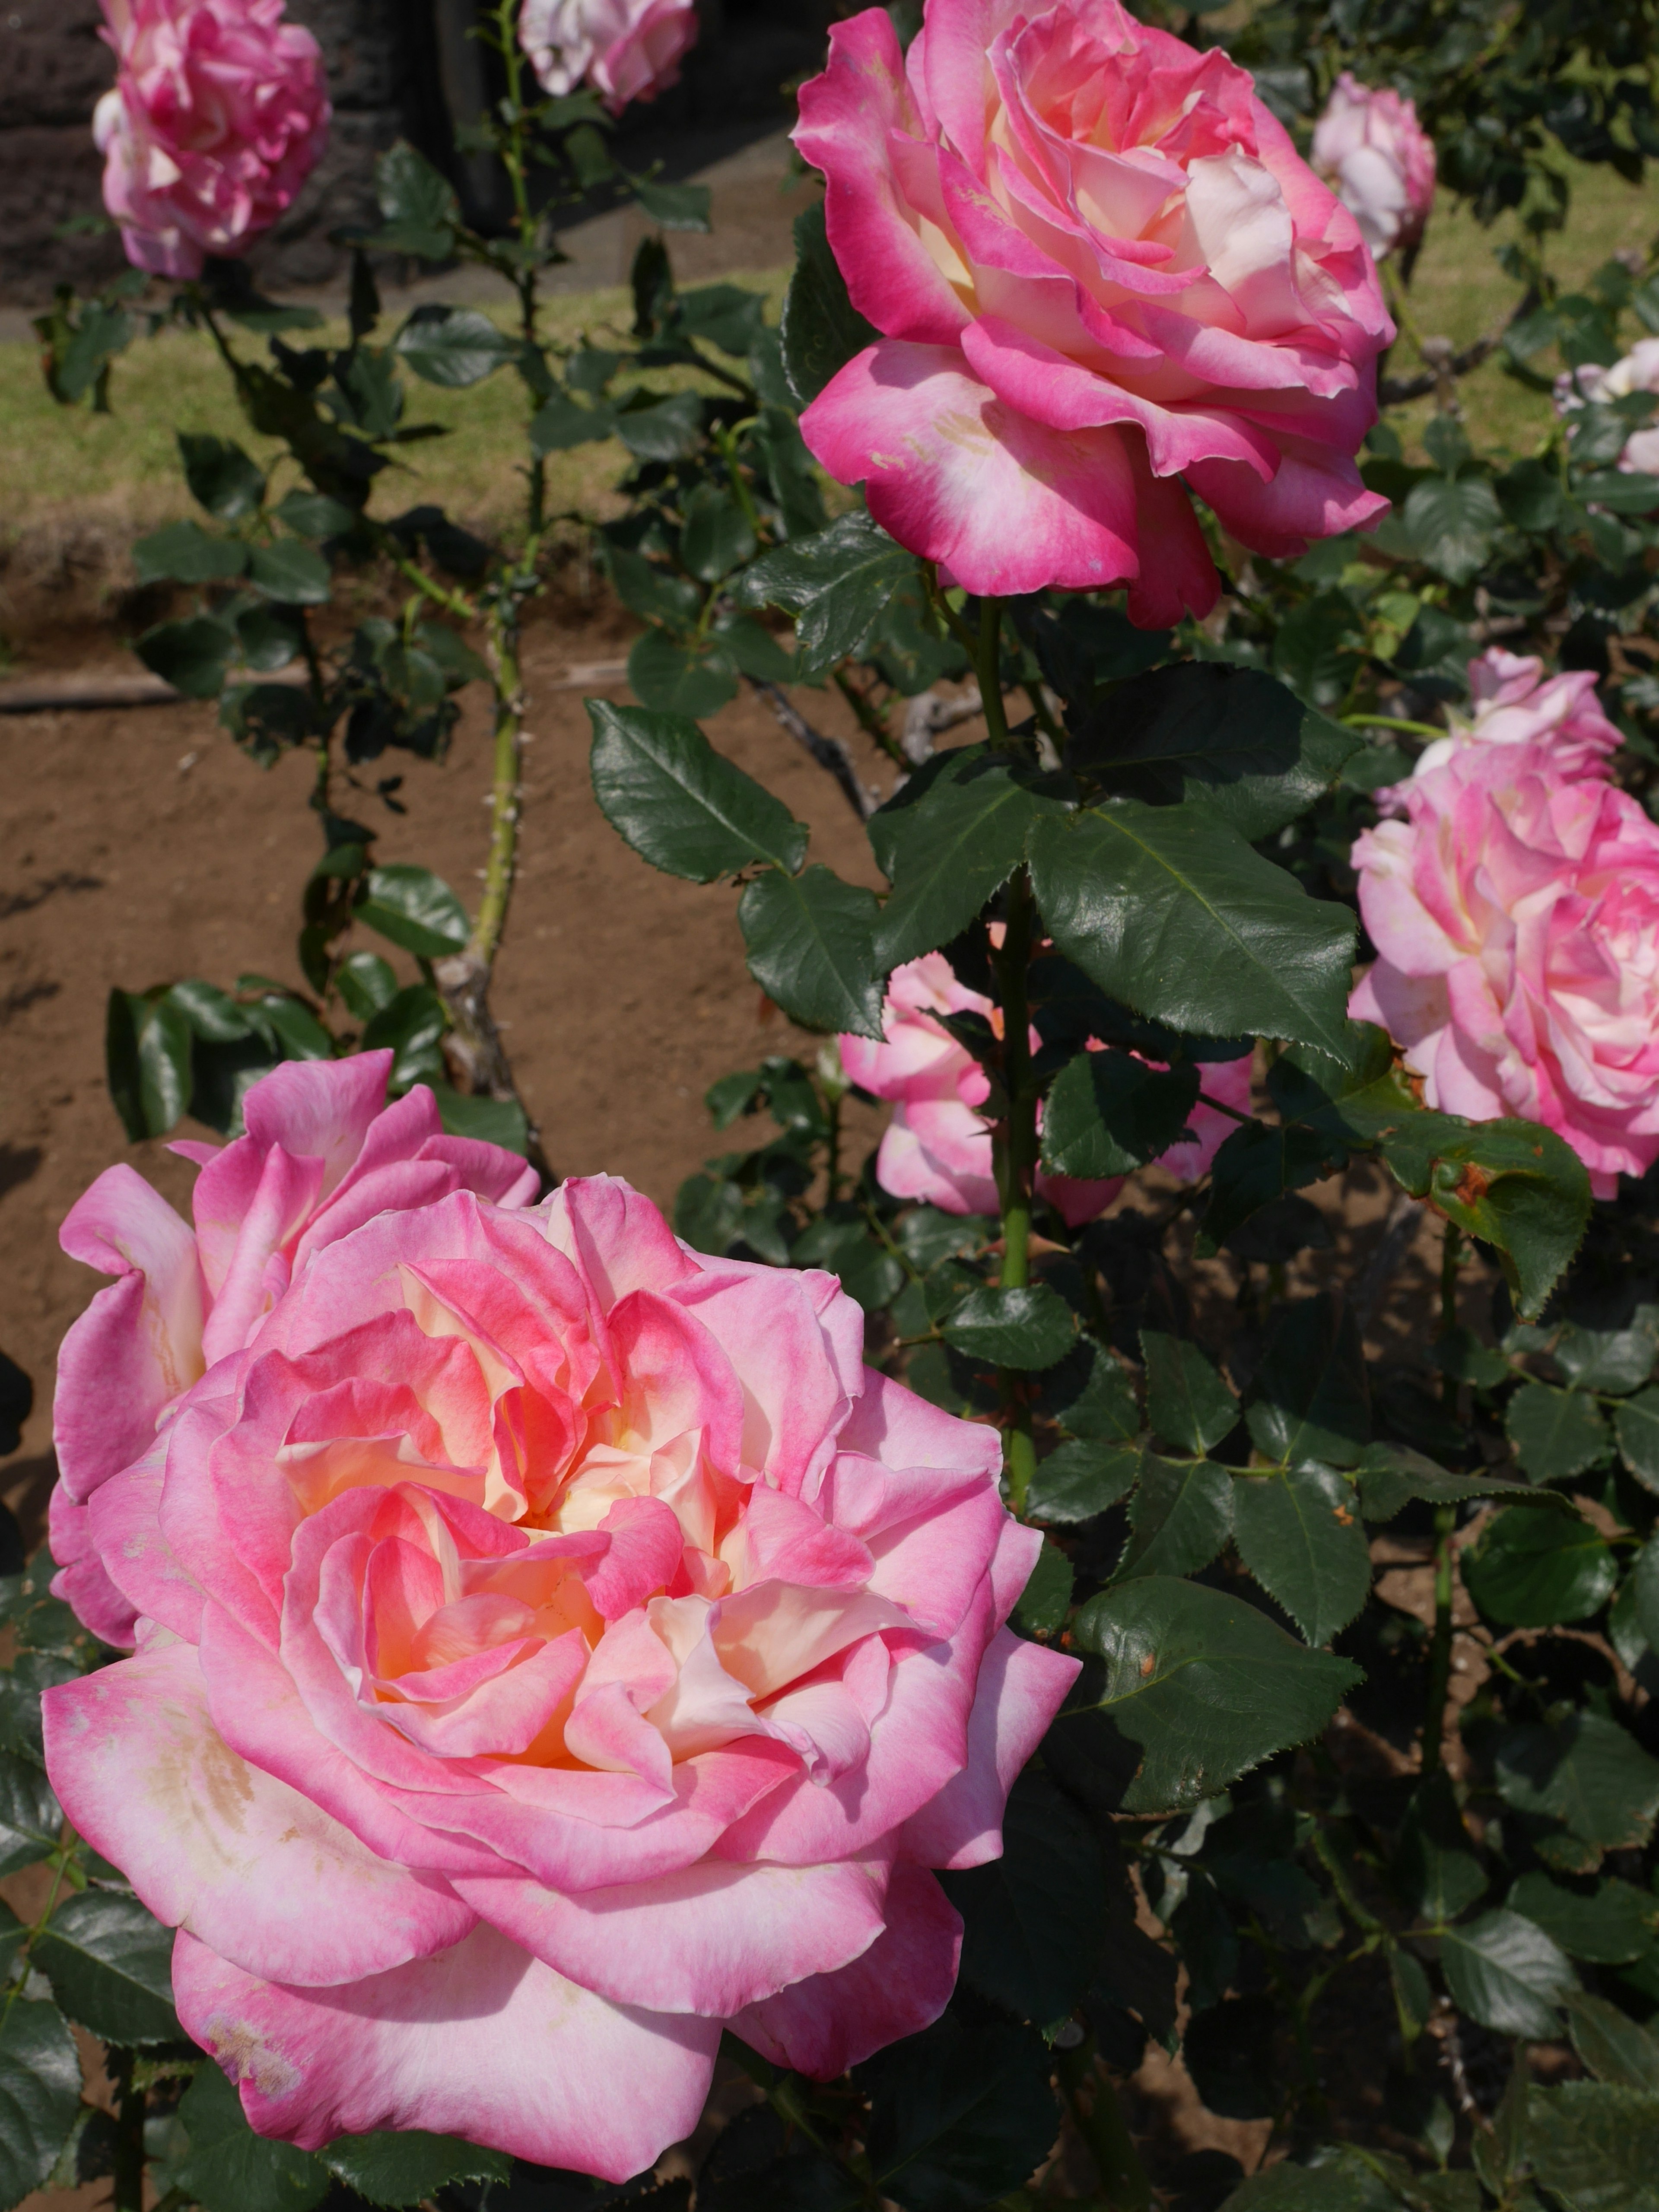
[558,1646]
[322,1152]
[1637,372]
[1370,149]
[1513,702]
[218,115]
[936,1147]
[1100,268]
[626,50]
[1516,916]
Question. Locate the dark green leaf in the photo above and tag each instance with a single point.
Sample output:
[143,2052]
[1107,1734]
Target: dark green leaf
[402,2168]
[653,592]
[1556,1433]
[292,574]
[1611,1927]
[1505,1972]
[1079,1480]
[1179,1516]
[418,204]
[1390,1475]
[947,840]
[1228,2053]
[109,1961]
[1595,2147]
[836,584]
[682,677]
[414,908]
[1300,1535]
[270,637]
[31,1818]
[147,1061]
[1187,1404]
[1046,1599]
[367,983]
[1611,1360]
[220,476]
[228,2168]
[1256,1167]
[1435,1869]
[39,2094]
[809,942]
[1588,1773]
[184,553]
[564,423]
[1533,1570]
[487,1121]
[411,1024]
[452,347]
[960,2114]
[1231,735]
[1636,1424]
[669,794]
[1172,913]
[1611,2045]
[1312,1403]
[1030,1328]
[757,652]
[1092,1396]
[1511,1183]
[821,329]
[1034,1920]
[1109,1113]
[715,536]
[662,430]
[1450,521]
[1203,1687]
[675,207]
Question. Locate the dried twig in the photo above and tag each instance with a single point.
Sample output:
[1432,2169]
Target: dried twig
[830,754]
[1391,391]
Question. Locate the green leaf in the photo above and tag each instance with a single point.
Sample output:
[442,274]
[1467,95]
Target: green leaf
[451,347]
[414,908]
[1256,1166]
[654,593]
[563,422]
[673,207]
[1613,1361]
[1094,1397]
[1556,1433]
[1535,1570]
[1611,2045]
[1031,1329]
[1034,1920]
[222,478]
[667,792]
[685,676]
[313,515]
[1081,1479]
[1231,736]
[146,1062]
[1187,1404]
[1047,1597]
[228,2168]
[1635,1426]
[411,1025]
[367,983]
[422,213]
[31,1818]
[662,430]
[487,1121]
[1301,1536]
[1391,1475]
[292,574]
[837,583]
[1595,2147]
[1198,1688]
[809,942]
[960,2114]
[109,1961]
[1312,1402]
[946,842]
[1450,521]
[754,648]
[821,329]
[184,553]
[402,2168]
[1587,1773]
[39,2094]
[1511,1183]
[1611,1927]
[716,535]
[1505,1972]
[1435,1869]
[1179,1516]
[1109,1113]
[1172,913]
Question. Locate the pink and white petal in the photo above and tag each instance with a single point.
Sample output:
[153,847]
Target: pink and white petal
[906,1168]
[932,1566]
[1021,1688]
[615,1236]
[708,1940]
[213,1845]
[1004,505]
[1307,499]
[482,2041]
[892,1424]
[320,1109]
[277,1209]
[796,1346]
[125,1522]
[81,1581]
[900,1985]
[1181,578]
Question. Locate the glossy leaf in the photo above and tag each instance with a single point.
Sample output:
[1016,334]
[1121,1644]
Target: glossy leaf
[681,677]
[1614,2047]
[1312,1402]
[1256,1167]
[1391,1475]
[40,2094]
[222,478]
[1435,1869]
[950,838]
[960,2114]
[31,1818]
[669,794]
[1174,915]
[1588,1773]
[192,655]
[1079,1480]
[1505,1972]
[1031,1329]
[1301,1536]
[717,535]
[403,2168]
[1556,1433]
[452,347]
[1533,1570]
[1611,1927]
[809,942]
[417,203]
[1092,1396]
[184,553]
[822,329]
[563,422]
[1635,1426]
[228,2168]
[1595,2147]
[109,1961]
[291,573]
[1187,1404]
[1047,1597]
[837,585]
[1107,1113]
[414,908]
[1035,1919]
[1179,1516]
[147,1058]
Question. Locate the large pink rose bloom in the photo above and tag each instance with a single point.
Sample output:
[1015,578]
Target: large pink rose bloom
[322,1153]
[626,50]
[1638,371]
[1376,155]
[218,115]
[1513,702]
[1100,267]
[936,1147]
[1516,916]
[558,1645]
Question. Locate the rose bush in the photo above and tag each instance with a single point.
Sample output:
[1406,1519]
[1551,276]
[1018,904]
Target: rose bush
[938,1147]
[548,1628]
[626,50]
[218,114]
[1636,371]
[1370,149]
[1099,267]
[322,1153]
[1513,702]
[1515,910]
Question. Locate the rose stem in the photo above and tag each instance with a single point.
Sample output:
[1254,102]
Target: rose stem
[1092,2102]
[987,667]
[1019,1147]
[128,2181]
[1445,1524]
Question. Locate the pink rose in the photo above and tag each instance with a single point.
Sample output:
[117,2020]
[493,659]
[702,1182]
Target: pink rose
[936,1147]
[558,1645]
[218,115]
[1516,916]
[1637,372]
[626,50]
[1513,703]
[322,1152]
[1376,155]
[1100,266]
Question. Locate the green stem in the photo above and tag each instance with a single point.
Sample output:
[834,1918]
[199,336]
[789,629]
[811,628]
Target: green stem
[1445,1529]
[1017,1146]
[128,2181]
[987,666]
[502,866]
[1092,2103]
[1391,722]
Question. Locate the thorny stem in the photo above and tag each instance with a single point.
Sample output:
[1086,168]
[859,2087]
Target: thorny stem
[1445,1526]
[987,666]
[1017,1164]
[127,2181]
[1093,2105]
